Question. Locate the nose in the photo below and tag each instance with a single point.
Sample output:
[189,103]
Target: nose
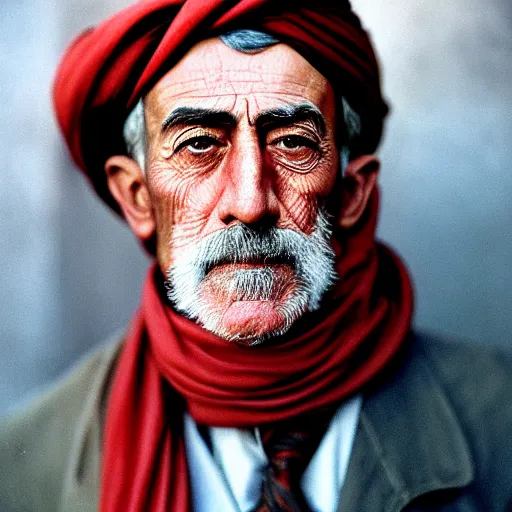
[249,194]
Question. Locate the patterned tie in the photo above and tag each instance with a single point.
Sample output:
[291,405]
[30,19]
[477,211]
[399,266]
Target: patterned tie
[289,448]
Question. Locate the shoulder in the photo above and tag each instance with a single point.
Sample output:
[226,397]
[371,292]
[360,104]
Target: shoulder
[477,378]
[477,383]
[37,441]
[436,428]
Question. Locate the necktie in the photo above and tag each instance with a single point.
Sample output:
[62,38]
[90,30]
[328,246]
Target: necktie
[289,447]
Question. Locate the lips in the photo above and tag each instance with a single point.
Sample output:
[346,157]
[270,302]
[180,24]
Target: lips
[249,263]
[249,282]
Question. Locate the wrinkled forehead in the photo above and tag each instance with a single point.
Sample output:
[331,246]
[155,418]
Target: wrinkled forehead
[212,75]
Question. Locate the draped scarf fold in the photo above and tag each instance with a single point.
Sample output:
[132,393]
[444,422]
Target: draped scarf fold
[170,364]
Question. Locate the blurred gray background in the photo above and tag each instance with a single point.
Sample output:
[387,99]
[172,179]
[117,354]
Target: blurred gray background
[71,272]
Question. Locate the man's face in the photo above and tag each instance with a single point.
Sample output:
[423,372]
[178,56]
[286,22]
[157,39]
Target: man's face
[241,156]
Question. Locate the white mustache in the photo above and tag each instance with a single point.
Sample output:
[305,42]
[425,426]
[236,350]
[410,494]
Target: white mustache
[241,244]
[310,257]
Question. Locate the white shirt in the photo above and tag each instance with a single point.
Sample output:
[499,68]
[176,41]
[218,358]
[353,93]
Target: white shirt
[228,478]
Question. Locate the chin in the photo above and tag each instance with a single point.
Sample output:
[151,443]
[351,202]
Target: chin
[250,323]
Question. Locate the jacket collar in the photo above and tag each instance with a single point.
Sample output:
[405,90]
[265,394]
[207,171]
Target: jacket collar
[409,442]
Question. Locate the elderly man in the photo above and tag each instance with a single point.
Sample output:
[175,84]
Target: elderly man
[271,365]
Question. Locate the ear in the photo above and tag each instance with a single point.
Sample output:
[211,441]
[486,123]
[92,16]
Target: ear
[358,182]
[127,184]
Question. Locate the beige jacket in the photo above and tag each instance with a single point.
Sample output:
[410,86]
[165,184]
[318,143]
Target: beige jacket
[435,435]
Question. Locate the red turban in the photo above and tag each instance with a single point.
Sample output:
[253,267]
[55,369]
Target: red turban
[107,69]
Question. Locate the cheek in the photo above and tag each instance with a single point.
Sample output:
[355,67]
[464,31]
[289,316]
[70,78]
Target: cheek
[300,193]
[182,204]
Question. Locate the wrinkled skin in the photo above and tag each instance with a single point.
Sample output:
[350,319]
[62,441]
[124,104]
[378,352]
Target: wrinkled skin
[208,175]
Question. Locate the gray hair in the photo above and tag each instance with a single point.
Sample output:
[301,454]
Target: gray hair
[245,41]
[134,134]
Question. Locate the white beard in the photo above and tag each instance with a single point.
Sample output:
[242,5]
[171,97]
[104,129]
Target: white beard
[311,257]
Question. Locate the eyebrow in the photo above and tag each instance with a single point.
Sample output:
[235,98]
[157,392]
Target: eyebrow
[291,114]
[195,115]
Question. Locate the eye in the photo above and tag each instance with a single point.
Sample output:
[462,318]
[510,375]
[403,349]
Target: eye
[198,145]
[297,153]
[294,142]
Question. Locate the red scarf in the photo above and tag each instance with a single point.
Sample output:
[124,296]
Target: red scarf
[169,363]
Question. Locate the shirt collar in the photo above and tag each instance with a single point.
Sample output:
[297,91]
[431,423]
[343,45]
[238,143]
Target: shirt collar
[231,473]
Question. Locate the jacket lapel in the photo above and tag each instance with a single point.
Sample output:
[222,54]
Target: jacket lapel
[409,442]
[82,481]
